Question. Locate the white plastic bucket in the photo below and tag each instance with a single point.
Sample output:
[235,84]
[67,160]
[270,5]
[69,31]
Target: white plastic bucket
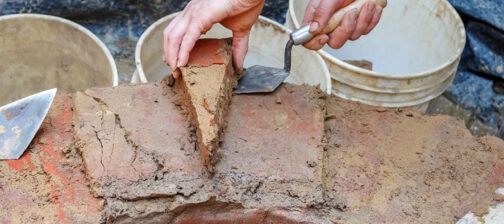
[415,51]
[266,47]
[39,52]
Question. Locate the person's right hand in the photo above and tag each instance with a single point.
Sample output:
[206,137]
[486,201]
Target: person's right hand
[198,17]
[352,27]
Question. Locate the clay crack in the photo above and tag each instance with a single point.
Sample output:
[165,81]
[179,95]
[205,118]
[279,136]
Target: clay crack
[101,150]
[136,147]
[104,108]
[103,105]
[127,137]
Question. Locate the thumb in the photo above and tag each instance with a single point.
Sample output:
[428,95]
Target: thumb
[240,48]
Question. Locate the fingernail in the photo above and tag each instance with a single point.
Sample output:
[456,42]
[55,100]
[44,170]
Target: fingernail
[179,64]
[314,27]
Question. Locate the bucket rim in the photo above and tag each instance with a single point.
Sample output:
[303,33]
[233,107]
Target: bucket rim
[413,103]
[106,51]
[141,41]
[332,59]
[155,25]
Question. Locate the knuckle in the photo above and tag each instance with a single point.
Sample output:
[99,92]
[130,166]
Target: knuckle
[334,43]
[347,29]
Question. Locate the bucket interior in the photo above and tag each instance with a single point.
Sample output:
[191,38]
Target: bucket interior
[37,54]
[266,48]
[413,36]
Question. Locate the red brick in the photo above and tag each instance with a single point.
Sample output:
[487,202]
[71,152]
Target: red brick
[208,52]
[274,146]
[389,166]
[47,185]
[205,89]
[136,143]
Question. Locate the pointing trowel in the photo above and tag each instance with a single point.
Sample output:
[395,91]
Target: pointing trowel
[260,79]
[20,121]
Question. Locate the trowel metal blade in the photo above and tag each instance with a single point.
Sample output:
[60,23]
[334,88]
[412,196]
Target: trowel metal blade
[20,121]
[260,79]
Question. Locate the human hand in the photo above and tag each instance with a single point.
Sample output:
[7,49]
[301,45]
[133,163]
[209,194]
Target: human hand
[352,27]
[199,16]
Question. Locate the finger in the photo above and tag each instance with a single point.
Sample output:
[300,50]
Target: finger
[317,42]
[166,35]
[240,48]
[365,17]
[310,11]
[176,73]
[165,45]
[342,33]
[375,20]
[323,13]
[174,40]
[191,36]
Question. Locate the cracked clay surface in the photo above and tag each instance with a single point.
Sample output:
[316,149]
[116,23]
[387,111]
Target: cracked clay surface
[304,157]
[125,154]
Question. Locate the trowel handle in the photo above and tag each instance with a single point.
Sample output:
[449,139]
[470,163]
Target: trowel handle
[303,35]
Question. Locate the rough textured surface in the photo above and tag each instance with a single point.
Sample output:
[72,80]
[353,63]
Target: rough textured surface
[137,145]
[272,150]
[401,166]
[303,158]
[324,159]
[47,184]
[205,89]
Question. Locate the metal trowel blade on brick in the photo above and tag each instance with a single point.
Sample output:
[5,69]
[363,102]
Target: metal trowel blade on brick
[20,121]
[260,79]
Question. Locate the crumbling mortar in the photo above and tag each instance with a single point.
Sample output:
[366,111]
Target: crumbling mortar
[327,196]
